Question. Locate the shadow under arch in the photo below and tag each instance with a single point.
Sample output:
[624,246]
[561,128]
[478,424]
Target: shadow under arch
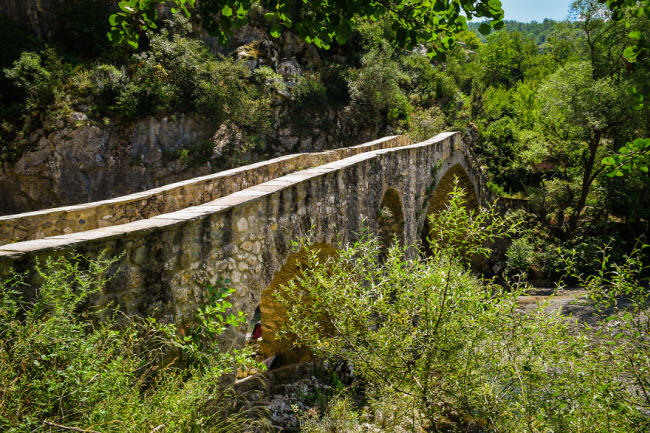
[438,201]
[390,220]
[273,314]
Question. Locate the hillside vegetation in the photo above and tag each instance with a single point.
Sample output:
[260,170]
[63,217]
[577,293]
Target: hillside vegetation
[556,113]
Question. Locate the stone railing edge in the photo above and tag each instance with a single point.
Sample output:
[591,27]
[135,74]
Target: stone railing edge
[223,204]
[89,216]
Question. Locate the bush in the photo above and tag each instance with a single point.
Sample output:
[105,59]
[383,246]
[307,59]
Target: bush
[309,93]
[375,93]
[65,363]
[429,85]
[449,352]
[425,124]
[29,74]
[270,79]
[108,82]
[519,257]
[334,76]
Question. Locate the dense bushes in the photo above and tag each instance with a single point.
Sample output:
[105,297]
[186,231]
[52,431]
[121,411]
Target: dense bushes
[64,362]
[439,350]
[375,90]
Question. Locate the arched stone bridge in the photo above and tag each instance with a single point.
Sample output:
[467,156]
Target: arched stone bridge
[240,224]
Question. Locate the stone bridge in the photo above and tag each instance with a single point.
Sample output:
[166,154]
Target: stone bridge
[240,224]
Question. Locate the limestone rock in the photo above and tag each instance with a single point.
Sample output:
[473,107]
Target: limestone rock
[289,68]
[84,162]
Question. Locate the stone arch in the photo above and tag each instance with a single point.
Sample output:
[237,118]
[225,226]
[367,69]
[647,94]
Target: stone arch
[390,220]
[272,313]
[440,197]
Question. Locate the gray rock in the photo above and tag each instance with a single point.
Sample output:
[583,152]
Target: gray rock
[289,68]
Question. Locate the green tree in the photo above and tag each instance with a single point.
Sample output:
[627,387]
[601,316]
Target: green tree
[636,154]
[578,114]
[322,22]
[505,58]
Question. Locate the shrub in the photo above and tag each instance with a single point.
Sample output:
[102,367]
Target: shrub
[375,93]
[430,85]
[30,75]
[178,73]
[519,257]
[452,353]
[271,79]
[425,124]
[309,93]
[108,82]
[65,363]
[334,76]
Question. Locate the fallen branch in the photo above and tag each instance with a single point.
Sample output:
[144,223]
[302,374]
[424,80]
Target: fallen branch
[70,428]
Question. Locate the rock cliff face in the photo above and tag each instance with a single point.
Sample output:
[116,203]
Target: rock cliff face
[41,15]
[81,162]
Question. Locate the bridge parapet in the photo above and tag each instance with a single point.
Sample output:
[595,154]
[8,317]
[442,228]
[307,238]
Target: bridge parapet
[170,198]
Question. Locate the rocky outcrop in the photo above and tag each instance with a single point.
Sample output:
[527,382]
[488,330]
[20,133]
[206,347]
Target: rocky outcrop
[82,162]
[41,16]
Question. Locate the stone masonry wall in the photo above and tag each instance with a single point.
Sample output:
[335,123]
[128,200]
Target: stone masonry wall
[246,236]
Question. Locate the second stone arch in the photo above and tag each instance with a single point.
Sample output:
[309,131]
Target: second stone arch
[390,220]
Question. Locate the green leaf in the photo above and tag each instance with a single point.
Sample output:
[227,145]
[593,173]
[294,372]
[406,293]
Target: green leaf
[630,53]
[608,161]
[484,29]
[636,35]
[276,31]
[226,11]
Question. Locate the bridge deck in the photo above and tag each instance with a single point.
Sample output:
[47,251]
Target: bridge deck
[170,198]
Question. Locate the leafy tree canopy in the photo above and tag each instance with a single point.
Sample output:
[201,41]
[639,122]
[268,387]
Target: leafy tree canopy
[321,22]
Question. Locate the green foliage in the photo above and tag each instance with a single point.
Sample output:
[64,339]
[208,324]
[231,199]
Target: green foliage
[309,93]
[458,232]
[324,22]
[29,75]
[635,155]
[428,85]
[619,292]
[424,124]
[576,107]
[505,58]
[65,362]
[626,10]
[270,78]
[137,16]
[179,74]
[334,76]
[375,91]
[539,32]
[440,350]
[108,82]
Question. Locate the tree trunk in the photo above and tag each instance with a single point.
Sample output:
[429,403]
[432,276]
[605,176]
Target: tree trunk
[587,179]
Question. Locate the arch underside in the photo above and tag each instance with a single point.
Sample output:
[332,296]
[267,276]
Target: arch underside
[273,314]
[390,221]
[456,175]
